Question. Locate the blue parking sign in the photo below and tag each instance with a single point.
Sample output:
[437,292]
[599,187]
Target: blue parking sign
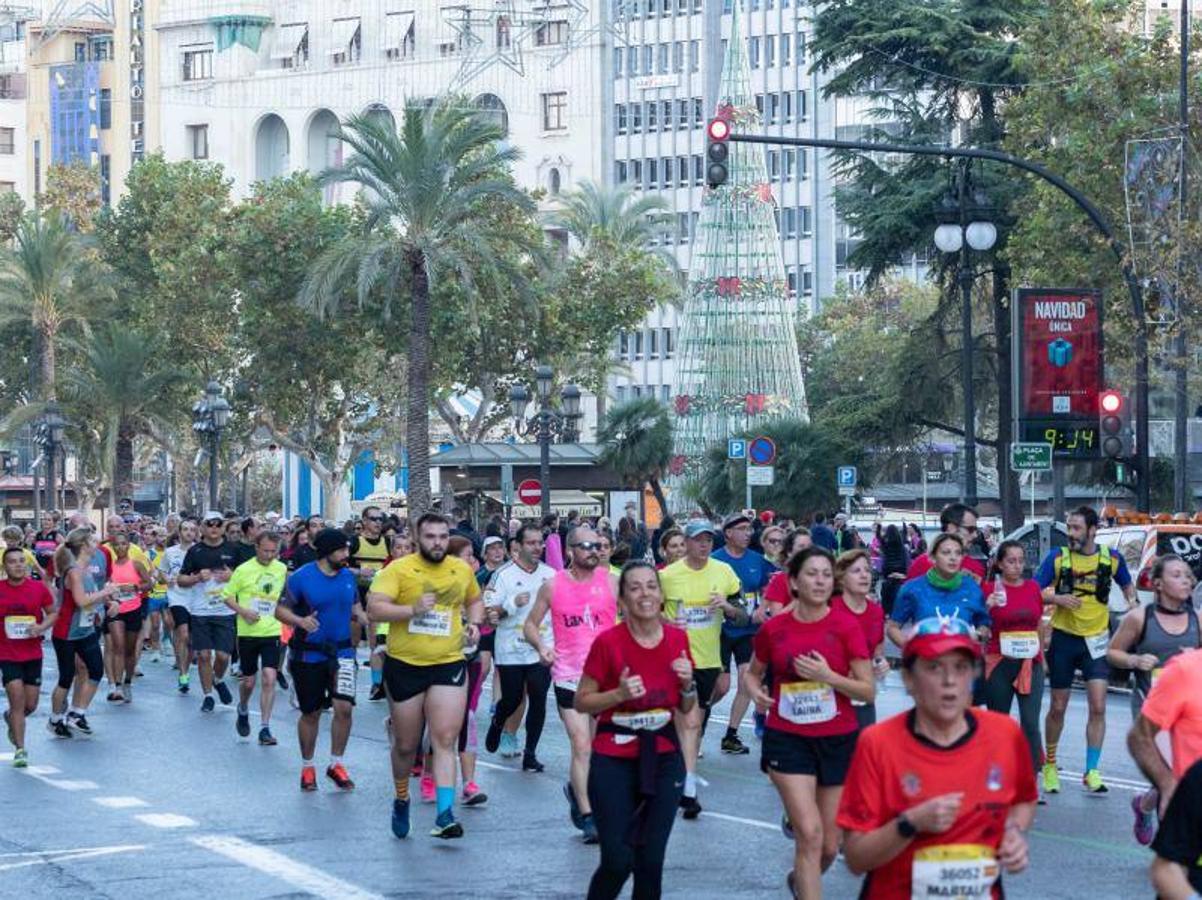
[846,476]
[736,448]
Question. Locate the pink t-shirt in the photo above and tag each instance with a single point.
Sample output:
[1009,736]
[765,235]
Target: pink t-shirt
[580,610]
[1175,705]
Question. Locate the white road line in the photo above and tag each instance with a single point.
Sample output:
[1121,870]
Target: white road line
[757,823]
[72,851]
[42,770]
[60,856]
[1123,784]
[68,784]
[165,820]
[277,865]
[119,802]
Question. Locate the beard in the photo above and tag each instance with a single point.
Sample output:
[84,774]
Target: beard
[434,556]
[337,564]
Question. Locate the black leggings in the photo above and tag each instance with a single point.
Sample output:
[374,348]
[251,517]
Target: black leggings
[613,791]
[536,679]
[1000,693]
[87,649]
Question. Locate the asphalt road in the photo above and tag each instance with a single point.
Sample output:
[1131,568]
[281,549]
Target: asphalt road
[165,802]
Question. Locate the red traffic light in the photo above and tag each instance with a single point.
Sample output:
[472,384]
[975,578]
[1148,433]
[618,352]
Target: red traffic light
[718,129]
[1110,402]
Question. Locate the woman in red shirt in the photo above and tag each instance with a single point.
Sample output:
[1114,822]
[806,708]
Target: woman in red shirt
[26,613]
[853,577]
[818,661]
[1014,655]
[636,674]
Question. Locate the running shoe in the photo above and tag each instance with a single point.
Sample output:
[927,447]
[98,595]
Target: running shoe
[223,692]
[235,671]
[589,827]
[509,745]
[127,692]
[208,705]
[786,827]
[734,746]
[428,790]
[530,763]
[266,738]
[573,806]
[1051,778]
[8,726]
[1093,782]
[446,827]
[281,680]
[243,724]
[691,807]
[115,696]
[416,771]
[20,759]
[473,796]
[308,779]
[492,740]
[337,773]
[1145,822]
[377,692]
[182,684]
[400,818]
[59,729]
[78,723]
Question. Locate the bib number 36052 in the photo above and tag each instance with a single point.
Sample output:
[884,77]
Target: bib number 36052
[953,870]
[807,702]
[347,673]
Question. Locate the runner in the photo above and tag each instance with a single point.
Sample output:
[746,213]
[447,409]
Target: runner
[938,799]
[47,540]
[27,612]
[636,673]
[1177,869]
[206,568]
[131,579]
[671,546]
[496,557]
[179,602]
[14,539]
[961,521]
[818,661]
[370,552]
[1145,641]
[754,573]
[700,594]
[522,673]
[321,598]
[853,580]
[1076,579]
[425,597]
[942,590]
[252,593]
[152,627]
[582,602]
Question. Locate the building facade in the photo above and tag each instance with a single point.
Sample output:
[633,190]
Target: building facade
[14,138]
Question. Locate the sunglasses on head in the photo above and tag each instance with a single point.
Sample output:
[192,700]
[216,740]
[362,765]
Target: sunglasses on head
[588,545]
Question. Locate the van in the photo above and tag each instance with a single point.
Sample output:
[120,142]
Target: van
[1139,546]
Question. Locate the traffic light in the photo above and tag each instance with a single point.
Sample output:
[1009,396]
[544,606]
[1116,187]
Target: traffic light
[716,152]
[1114,425]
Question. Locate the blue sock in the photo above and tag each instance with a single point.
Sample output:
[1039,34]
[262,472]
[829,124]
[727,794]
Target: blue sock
[1093,756]
[377,677]
[446,799]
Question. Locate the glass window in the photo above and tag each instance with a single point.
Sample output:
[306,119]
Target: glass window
[665,393]
[632,60]
[620,171]
[549,34]
[620,117]
[698,112]
[678,56]
[698,169]
[806,221]
[786,47]
[753,52]
[803,162]
[8,141]
[652,115]
[653,343]
[682,171]
[636,118]
[694,55]
[668,342]
[638,345]
[789,161]
[774,164]
[807,282]
[555,111]
[198,141]
[619,59]
[801,106]
[788,225]
[769,51]
[666,113]
[648,59]
[652,174]
[620,393]
[666,172]
[198,64]
[799,56]
[106,108]
[636,173]
[786,103]
[662,59]
[773,108]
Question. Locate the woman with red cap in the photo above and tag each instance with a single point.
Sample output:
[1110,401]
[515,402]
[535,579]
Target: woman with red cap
[938,800]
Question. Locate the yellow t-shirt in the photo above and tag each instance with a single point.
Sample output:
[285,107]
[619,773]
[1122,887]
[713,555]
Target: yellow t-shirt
[434,637]
[1093,617]
[691,588]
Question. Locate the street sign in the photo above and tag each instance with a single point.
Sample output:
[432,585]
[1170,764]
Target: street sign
[530,492]
[846,476]
[736,448]
[761,476]
[1030,457]
[762,451]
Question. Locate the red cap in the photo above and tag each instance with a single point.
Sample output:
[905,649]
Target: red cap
[767,516]
[931,646]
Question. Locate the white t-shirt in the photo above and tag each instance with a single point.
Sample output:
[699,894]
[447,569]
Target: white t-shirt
[512,649]
[173,560]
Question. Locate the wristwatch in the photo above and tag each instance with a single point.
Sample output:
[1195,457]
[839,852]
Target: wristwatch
[905,827]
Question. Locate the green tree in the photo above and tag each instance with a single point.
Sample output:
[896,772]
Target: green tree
[636,444]
[421,191]
[595,212]
[11,209]
[74,191]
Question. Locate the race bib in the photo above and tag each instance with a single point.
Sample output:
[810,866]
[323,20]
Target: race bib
[214,602]
[1097,645]
[698,616]
[436,622]
[264,606]
[126,593]
[644,720]
[17,628]
[348,670]
[953,870]
[807,702]
[1020,644]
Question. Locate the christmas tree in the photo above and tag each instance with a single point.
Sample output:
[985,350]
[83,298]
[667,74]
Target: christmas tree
[739,365]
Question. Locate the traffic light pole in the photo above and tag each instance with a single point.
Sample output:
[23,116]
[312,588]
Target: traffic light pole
[1095,215]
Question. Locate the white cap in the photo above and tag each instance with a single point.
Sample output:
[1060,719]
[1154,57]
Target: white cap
[489,541]
[212,514]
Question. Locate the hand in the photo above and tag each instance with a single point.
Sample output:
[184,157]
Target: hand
[424,603]
[717,602]
[109,590]
[493,614]
[471,634]
[761,614]
[521,599]
[310,624]
[205,574]
[1012,851]
[761,697]
[936,815]
[249,616]
[1068,601]
[37,630]
[363,620]
[630,687]
[222,575]
[880,667]
[1145,662]
[546,655]
[683,667]
[997,598]
[113,608]
[812,667]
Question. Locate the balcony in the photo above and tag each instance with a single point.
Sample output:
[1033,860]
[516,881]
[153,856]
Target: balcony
[174,13]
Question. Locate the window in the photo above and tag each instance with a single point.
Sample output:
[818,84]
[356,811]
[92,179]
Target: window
[652,115]
[102,50]
[81,52]
[619,59]
[805,220]
[106,172]
[682,113]
[620,393]
[292,43]
[753,52]
[665,393]
[667,341]
[682,237]
[807,282]
[504,31]
[653,343]
[198,141]
[803,165]
[788,222]
[769,51]
[8,141]
[555,111]
[786,102]
[773,108]
[791,280]
[198,64]
[636,173]
[786,47]
[774,164]
[636,118]
[636,390]
[638,345]
[648,59]
[620,118]
[652,174]
[698,173]
[351,50]
[800,45]
[789,160]
[620,171]
[106,108]
[678,56]
[666,171]
[666,121]
[554,182]
[694,55]
[632,60]
[623,346]
[801,106]
[682,171]
[550,34]
[698,112]
[759,105]
[662,59]
[37,167]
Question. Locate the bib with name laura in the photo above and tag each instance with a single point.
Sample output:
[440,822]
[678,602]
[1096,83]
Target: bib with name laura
[807,702]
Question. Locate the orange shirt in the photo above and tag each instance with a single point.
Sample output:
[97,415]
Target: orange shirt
[1175,705]
[893,770]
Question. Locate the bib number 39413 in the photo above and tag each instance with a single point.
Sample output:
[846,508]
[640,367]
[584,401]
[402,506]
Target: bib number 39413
[435,622]
[347,672]
[1097,645]
[807,702]
[959,871]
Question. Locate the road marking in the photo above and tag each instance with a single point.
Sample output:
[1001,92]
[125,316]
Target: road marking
[42,770]
[757,823]
[119,802]
[1123,784]
[165,820]
[72,851]
[277,865]
[60,856]
[67,784]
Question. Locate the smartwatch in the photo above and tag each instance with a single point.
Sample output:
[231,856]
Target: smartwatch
[905,827]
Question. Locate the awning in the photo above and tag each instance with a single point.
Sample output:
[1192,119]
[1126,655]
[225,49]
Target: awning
[562,501]
[288,39]
[445,32]
[341,32]
[397,26]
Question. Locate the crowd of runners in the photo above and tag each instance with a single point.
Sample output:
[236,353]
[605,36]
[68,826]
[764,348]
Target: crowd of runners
[636,645]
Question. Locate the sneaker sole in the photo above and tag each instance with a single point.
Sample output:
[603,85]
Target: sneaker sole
[476,800]
[454,830]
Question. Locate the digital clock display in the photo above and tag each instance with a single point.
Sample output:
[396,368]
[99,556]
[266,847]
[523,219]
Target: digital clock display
[1069,440]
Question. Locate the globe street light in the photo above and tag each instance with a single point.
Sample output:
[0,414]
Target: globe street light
[49,435]
[546,422]
[210,416]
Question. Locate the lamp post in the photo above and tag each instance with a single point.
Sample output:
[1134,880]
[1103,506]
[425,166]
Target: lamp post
[49,436]
[966,224]
[547,423]
[210,415]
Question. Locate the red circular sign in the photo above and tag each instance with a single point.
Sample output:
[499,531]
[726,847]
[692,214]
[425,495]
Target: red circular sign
[530,492]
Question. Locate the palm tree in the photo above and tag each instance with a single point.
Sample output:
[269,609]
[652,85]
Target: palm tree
[636,442]
[424,187]
[48,280]
[591,212]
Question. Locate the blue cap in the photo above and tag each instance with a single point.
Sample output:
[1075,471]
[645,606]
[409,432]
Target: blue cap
[697,527]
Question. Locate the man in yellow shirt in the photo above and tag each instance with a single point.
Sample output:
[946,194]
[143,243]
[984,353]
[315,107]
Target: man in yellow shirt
[698,595]
[252,593]
[425,598]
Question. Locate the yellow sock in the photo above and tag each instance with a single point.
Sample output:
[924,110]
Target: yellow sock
[1050,753]
[402,788]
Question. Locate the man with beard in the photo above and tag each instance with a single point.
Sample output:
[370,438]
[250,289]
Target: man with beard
[320,600]
[425,598]
[205,569]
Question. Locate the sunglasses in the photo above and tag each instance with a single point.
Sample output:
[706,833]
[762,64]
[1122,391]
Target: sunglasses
[588,546]
[375,518]
[214,523]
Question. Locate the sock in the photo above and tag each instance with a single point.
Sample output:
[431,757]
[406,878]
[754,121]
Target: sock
[307,763]
[1093,756]
[1050,753]
[402,788]
[208,694]
[55,718]
[690,784]
[377,677]
[446,799]
[76,711]
[732,732]
[335,760]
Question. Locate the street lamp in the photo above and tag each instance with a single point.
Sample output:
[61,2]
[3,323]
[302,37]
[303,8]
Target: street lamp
[546,423]
[210,416]
[49,436]
[965,224]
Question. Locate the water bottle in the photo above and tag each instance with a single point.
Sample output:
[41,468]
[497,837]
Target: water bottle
[1000,590]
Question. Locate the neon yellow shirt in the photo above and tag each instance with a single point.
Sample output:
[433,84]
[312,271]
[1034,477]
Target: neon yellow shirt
[434,637]
[257,587]
[690,589]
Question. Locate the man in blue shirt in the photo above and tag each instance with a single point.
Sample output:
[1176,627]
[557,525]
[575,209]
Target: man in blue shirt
[319,602]
[754,573]
[821,533]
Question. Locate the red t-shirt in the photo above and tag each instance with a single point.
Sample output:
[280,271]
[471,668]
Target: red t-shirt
[616,649]
[813,709]
[777,590]
[871,620]
[18,603]
[1023,612]
[893,770]
[923,563]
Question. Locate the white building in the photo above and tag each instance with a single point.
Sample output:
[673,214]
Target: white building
[13,102]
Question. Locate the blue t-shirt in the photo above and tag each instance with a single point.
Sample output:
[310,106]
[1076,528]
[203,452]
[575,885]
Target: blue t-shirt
[754,573]
[918,599]
[328,597]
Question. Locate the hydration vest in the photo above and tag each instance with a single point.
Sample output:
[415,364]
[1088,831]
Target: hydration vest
[1066,580]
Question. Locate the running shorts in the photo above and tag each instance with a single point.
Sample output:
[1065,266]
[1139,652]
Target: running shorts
[565,698]
[827,758]
[28,671]
[132,620]
[1068,654]
[316,685]
[738,647]
[706,680]
[87,649]
[404,680]
[212,633]
[256,651]
[180,615]
[488,642]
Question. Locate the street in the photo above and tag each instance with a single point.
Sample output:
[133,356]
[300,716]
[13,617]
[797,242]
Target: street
[164,802]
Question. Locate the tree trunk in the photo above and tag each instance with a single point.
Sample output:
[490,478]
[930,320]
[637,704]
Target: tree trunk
[417,419]
[1008,482]
[123,468]
[48,362]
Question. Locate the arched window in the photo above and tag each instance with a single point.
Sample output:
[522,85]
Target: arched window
[553,182]
[495,110]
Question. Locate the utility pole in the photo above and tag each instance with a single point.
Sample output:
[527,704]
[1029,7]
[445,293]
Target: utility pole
[1182,501]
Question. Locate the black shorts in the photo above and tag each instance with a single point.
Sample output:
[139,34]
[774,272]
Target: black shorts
[255,650]
[706,679]
[1068,654]
[212,633]
[827,758]
[316,685]
[404,681]
[132,620]
[180,615]
[29,671]
[565,698]
[488,643]
[865,715]
[738,647]
[87,649]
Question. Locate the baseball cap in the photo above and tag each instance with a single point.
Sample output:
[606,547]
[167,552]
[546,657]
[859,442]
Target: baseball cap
[767,516]
[938,635]
[212,516]
[696,527]
[489,541]
[734,519]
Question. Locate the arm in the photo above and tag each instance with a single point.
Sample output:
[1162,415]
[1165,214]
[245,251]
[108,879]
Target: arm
[49,617]
[381,609]
[859,685]
[753,683]
[83,598]
[1171,880]
[532,627]
[144,580]
[868,850]
[1118,653]
[592,702]
[1141,743]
